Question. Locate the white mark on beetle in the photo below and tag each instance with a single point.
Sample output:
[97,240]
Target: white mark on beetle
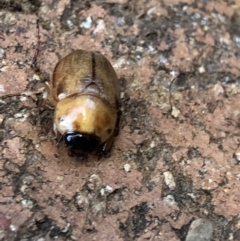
[61,96]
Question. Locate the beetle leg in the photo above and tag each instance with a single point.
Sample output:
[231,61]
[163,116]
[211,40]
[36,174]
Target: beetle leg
[59,140]
[57,136]
[106,147]
[55,132]
[116,131]
[48,95]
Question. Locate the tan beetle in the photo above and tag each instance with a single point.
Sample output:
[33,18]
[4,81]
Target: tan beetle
[85,92]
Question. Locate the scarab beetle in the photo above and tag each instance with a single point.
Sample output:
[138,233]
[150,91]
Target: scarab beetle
[85,92]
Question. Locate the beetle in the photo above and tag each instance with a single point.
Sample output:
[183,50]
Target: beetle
[85,91]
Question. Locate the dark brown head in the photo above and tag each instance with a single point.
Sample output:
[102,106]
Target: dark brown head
[84,142]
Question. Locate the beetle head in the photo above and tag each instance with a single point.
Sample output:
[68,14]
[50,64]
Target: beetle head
[83,142]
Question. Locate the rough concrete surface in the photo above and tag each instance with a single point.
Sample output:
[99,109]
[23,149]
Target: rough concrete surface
[174,170]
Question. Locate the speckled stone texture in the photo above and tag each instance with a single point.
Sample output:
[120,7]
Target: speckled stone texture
[176,159]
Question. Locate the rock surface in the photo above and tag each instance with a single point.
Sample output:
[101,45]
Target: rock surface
[176,158]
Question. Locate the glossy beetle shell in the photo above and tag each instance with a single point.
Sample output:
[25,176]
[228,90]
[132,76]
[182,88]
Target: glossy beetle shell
[85,91]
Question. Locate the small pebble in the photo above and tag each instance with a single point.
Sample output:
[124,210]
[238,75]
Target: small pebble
[107,189]
[23,188]
[152,144]
[66,228]
[200,230]
[87,23]
[169,180]
[36,77]
[70,24]
[201,69]
[73,238]
[2,53]
[1,119]
[13,228]
[169,199]
[28,204]
[175,112]
[2,88]
[100,27]
[237,156]
[127,167]
[59,178]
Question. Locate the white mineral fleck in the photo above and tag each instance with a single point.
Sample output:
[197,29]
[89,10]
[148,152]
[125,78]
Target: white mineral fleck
[87,23]
[2,88]
[169,180]
[127,167]
[175,112]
